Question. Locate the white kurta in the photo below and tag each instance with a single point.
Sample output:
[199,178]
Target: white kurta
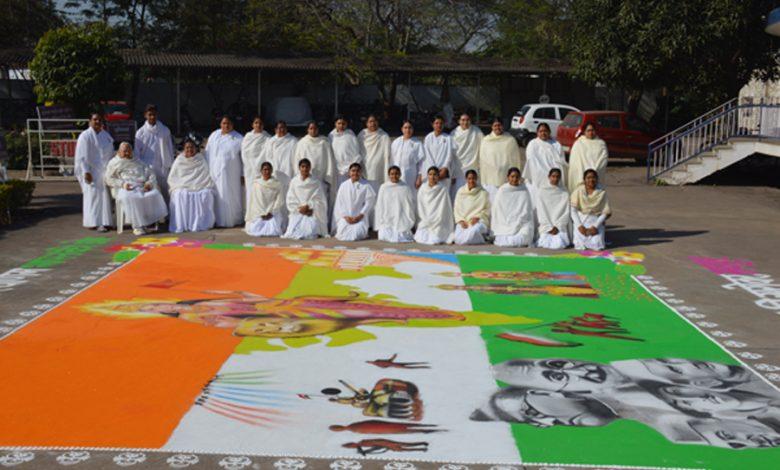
[587,154]
[497,154]
[323,165]
[346,151]
[192,195]
[552,210]
[434,213]
[141,207]
[466,143]
[469,204]
[439,152]
[154,146]
[408,155]
[93,151]
[223,152]
[513,216]
[280,152]
[541,156]
[307,192]
[252,154]
[354,198]
[266,197]
[395,212]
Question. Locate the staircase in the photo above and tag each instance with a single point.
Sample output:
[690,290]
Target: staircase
[713,141]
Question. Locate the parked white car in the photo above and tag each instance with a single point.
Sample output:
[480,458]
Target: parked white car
[525,121]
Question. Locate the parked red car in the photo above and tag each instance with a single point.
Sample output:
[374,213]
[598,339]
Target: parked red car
[625,135]
[116,111]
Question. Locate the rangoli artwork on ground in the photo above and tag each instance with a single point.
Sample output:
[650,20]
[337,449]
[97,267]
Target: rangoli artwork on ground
[203,347]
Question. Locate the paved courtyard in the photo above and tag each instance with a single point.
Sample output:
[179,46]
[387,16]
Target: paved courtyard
[709,252]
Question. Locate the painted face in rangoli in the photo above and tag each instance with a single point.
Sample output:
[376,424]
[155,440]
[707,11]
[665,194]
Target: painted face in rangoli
[736,434]
[558,375]
[703,374]
[543,408]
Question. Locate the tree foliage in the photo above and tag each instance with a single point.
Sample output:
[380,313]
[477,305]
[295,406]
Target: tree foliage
[25,21]
[78,65]
[702,51]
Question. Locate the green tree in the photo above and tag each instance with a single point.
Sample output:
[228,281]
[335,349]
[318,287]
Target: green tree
[702,51]
[79,66]
[25,21]
[531,29]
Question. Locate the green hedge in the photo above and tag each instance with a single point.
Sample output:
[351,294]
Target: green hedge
[14,194]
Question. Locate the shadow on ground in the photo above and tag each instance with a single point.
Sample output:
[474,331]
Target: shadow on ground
[619,237]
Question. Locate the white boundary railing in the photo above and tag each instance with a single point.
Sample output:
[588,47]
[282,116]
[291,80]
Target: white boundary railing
[730,120]
[51,146]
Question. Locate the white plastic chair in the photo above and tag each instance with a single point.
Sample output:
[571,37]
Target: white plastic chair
[120,217]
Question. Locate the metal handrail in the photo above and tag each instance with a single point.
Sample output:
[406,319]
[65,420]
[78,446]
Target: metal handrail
[713,128]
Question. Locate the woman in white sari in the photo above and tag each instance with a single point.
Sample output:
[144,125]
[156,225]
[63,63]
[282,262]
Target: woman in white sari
[346,148]
[265,215]
[589,210]
[192,191]
[307,206]
[552,211]
[375,148]
[252,151]
[472,212]
[589,152]
[354,203]
[497,154]
[395,209]
[134,186]
[406,152]
[513,214]
[319,152]
[542,155]
[434,211]
[223,152]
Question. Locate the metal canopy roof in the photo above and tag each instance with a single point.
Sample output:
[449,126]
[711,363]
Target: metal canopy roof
[428,63]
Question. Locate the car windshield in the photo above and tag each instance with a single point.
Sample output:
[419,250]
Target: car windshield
[572,120]
[523,110]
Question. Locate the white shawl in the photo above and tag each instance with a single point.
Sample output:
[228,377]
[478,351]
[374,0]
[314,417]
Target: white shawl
[375,148]
[154,146]
[497,154]
[587,154]
[512,210]
[470,203]
[320,154]
[191,174]
[438,151]
[128,170]
[267,197]
[541,157]
[251,154]
[308,192]
[353,199]
[434,210]
[280,151]
[552,207]
[223,150]
[467,143]
[395,207]
[346,149]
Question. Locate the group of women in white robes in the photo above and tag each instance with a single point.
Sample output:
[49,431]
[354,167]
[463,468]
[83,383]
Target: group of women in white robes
[133,185]
[345,185]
